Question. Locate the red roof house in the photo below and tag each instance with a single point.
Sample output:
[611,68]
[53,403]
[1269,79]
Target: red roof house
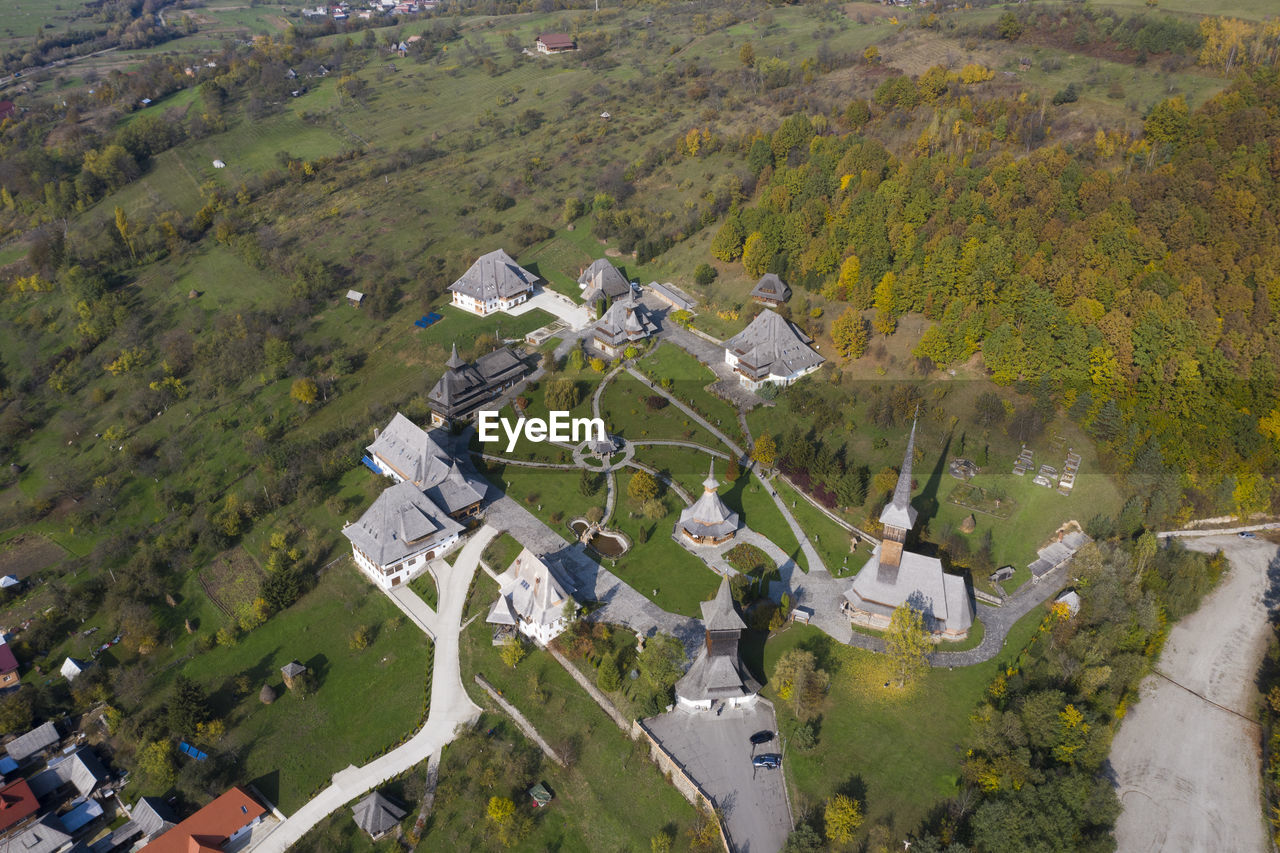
[555,43]
[208,830]
[17,803]
[8,666]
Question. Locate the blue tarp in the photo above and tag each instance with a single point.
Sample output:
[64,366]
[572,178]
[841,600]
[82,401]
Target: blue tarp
[370,464]
[81,815]
[428,319]
[7,765]
[187,749]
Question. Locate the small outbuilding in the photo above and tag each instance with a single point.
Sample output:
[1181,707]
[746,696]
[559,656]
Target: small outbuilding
[292,672]
[377,815]
[218,164]
[771,290]
[71,668]
[355,297]
[540,795]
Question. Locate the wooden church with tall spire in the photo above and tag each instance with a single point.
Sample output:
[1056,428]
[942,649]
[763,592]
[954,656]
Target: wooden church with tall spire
[718,674]
[894,576]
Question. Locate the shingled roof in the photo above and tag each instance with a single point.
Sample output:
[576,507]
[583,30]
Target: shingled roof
[464,387]
[377,815]
[708,517]
[899,512]
[535,589]
[415,456]
[626,320]
[399,523]
[771,346]
[771,288]
[40,738]
[603,279]
[494,276]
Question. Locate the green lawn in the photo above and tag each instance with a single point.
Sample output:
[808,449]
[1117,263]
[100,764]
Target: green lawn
[896,750]
[502,552]
[762,515]
[625,412]
[830,539]
[327,730]
[610,798]
[550,495]
[659,568]
[689,378]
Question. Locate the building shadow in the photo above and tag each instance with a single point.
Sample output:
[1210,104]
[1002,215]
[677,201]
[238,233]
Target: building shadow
[927,503]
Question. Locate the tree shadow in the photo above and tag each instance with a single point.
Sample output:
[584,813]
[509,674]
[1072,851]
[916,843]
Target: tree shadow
[317,670]
[269,785]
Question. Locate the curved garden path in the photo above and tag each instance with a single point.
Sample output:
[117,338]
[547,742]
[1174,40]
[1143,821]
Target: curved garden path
[451,708]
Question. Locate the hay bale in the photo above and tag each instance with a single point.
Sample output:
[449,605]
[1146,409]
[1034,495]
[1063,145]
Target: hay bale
[267,695]
[969,525]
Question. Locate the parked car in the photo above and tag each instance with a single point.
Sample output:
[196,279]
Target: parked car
[770,760]
[1247,534]
[761,737]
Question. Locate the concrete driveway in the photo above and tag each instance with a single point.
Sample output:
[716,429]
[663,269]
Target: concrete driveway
[717,752]
[451,707]
[557,304]
[1186,758]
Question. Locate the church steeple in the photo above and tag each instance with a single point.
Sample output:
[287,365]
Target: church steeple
[899,516]
[711,484]
[454,361]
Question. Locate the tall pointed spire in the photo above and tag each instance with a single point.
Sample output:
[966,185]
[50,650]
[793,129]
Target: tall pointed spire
[711,484]
[899,512]
[454,361]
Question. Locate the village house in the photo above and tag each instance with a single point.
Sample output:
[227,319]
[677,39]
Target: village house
[406,452]
[771,290]
[213,828]
[33,743]
[708,521]
[44,836]
[894,576]
[18,805]
[532,598]
[81,771]
[8,665]
[717,673]
[399,534]
[555,43]
[602,280]
[626,322]
[770,349]
[493,283]
[464,387]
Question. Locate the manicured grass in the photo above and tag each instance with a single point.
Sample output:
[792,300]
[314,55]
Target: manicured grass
[623,407]
[611,798]
[686,465]
[660,569]
[748,497]
[550,495]
[425,586]
[831,541]
[293,746]
[895,749]
[502,552]
[689,378]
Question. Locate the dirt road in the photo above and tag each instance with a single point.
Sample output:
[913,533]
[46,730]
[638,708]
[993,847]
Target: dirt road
[1186,758]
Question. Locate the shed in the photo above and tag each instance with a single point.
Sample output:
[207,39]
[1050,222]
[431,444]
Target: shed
[9,582]
[541,796]
[71,668]
[218,164]
[377,815]
[355,297]
[291,671]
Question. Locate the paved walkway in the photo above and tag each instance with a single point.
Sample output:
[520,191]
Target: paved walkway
[576,316]
[521,720]
[622,604]
[450,709]
[414,607]
[1186,762]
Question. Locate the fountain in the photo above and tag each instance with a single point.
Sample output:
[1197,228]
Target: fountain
[606,543]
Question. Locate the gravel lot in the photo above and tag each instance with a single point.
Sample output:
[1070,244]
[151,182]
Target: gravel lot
[1186,758]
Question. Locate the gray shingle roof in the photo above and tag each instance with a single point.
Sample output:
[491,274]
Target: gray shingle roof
[494,276]
[464,387]
[719,614]
[899,512]
[416,457]
[918,581]
[672,294]
[626,320]
[536,590]
[45,836]
[771,287]
[375,814]
[42,737]
[81,769]
[153,816]
[402,521]
[771,346]
[603,279]
[292,668]
[708,516]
